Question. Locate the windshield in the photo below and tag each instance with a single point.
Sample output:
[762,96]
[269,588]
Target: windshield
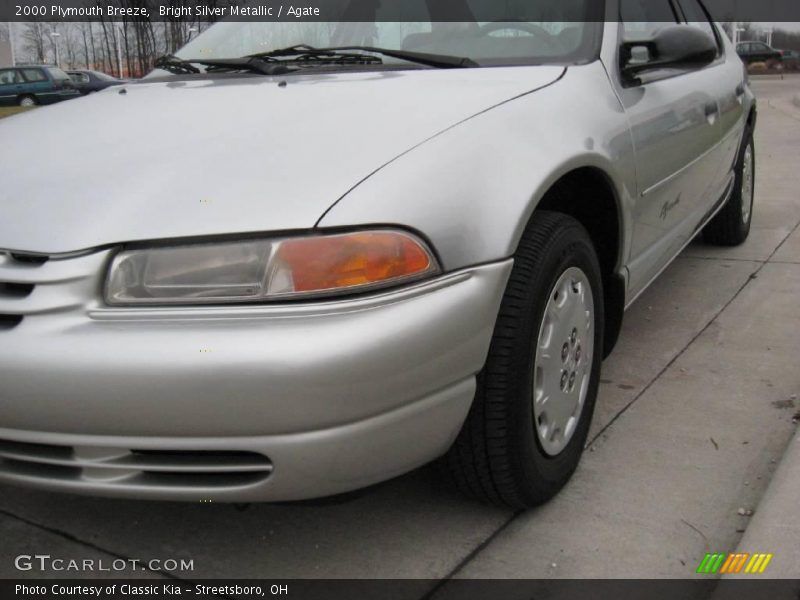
[510,39]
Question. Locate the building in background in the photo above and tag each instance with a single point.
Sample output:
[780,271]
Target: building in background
[6,49]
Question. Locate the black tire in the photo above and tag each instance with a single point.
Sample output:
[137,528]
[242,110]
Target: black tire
[21,101]
[729,227]
[497,456]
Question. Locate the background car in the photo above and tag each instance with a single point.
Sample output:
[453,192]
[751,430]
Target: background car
[753,52]
[790,59]
[87,81]
[32,85]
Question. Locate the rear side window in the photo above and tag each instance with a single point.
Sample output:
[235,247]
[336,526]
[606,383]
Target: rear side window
[34,75]
[642,18]
[79,77]
[58,74]
[9,76]
[697,17]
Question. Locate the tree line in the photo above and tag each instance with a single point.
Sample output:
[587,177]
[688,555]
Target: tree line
[786,40]
[128,48]
[782,39]
[124,48]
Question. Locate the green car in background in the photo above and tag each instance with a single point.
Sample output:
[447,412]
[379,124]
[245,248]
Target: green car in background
[32,85]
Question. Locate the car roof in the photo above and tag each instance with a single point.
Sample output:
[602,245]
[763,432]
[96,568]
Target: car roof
[89,71]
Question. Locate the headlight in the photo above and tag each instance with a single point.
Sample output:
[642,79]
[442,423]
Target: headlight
[269,269]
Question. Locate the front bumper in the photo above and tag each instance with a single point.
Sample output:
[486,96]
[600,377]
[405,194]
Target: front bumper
[238,403]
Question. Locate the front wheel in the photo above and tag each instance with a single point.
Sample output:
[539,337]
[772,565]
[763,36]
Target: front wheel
[528,424]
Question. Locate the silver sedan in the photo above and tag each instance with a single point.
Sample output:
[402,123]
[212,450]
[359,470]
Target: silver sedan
[300,258]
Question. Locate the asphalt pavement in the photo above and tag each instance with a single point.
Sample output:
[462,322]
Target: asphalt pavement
[694,416]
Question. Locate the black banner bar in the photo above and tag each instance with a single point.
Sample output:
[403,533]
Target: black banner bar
[363,10]
[403,589]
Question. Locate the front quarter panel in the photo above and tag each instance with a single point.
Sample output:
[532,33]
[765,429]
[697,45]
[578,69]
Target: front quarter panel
[472,189]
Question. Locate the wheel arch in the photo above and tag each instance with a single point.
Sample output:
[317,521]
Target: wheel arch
[589,195]
[752,118]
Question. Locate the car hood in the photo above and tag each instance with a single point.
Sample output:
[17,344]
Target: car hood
[184,158]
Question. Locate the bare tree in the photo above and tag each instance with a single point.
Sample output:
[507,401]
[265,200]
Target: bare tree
[786,40]
[747,32]
[94,45]
[6,51]
[85,29]
[34,40]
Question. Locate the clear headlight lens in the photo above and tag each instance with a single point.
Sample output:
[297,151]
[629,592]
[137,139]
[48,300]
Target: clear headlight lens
[269,269]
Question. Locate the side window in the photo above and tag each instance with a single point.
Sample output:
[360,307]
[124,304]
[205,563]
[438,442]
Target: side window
[642,18]
[9,77]
[57,74]
[697,17]
[34,75]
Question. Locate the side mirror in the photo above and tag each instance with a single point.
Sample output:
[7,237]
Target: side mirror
[673,47]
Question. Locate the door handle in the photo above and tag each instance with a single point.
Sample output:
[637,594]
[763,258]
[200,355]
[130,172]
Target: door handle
[712,111]
[740,93]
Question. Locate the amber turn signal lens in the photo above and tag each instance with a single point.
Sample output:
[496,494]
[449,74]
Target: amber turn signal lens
[269,269]
[363,259]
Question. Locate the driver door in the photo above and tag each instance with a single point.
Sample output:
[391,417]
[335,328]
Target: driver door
[674,122]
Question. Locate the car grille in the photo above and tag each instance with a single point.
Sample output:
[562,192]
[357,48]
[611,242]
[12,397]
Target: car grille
[180,469]
[11,291]
[34,284]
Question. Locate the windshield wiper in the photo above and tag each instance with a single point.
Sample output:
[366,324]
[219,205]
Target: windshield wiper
[181,66]
[175,65]
[304,52]
[276,62]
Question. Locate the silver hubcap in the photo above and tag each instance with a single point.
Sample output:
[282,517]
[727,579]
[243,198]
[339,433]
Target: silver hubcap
[563,365]
[747,184]
[26,102]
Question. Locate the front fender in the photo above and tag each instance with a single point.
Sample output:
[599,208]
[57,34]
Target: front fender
[472,189]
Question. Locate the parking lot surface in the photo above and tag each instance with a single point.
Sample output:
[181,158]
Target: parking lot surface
[695,410]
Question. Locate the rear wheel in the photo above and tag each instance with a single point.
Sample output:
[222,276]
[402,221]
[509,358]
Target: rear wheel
[731,226]
[26,101]
[535,397]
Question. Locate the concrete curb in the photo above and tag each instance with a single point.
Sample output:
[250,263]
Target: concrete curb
[775,527]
